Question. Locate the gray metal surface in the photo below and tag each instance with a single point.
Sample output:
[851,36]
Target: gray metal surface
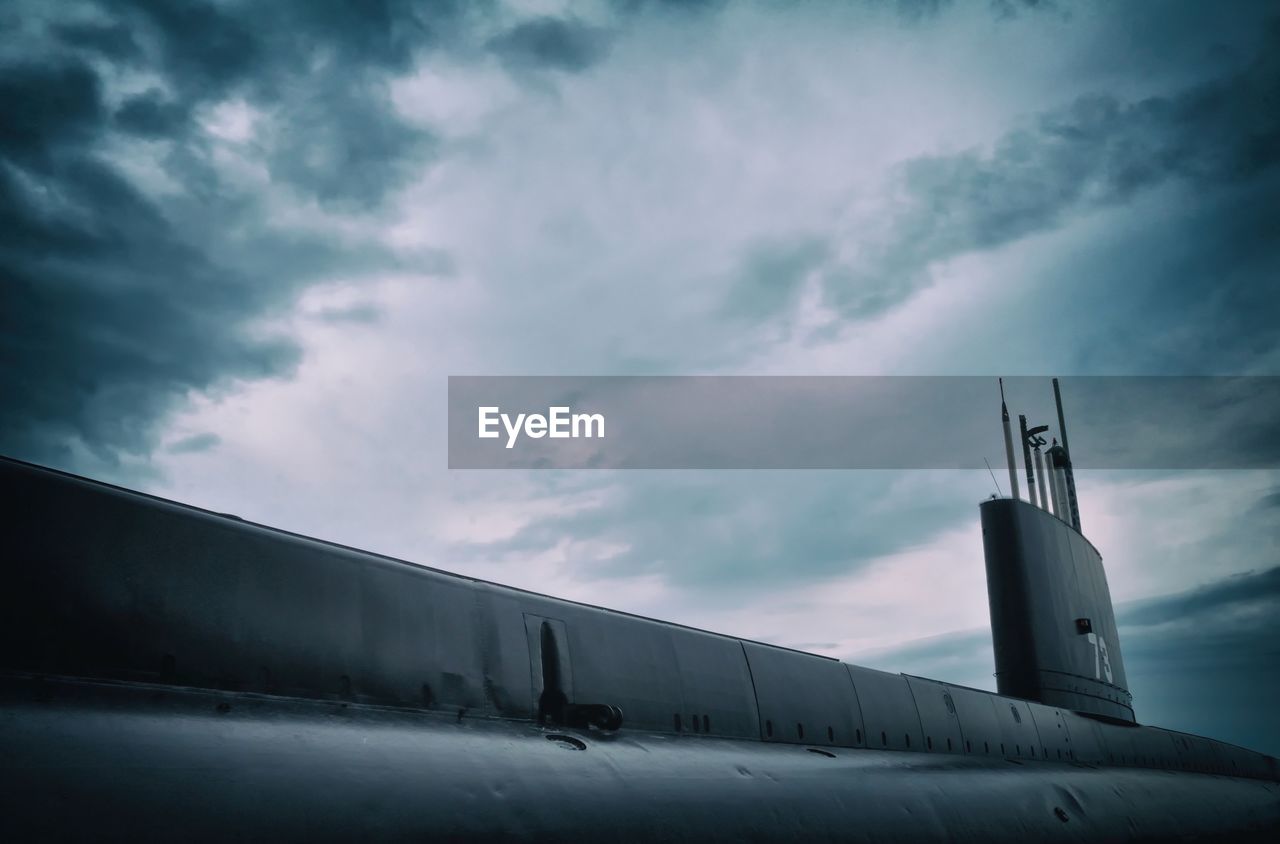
[124,762]
[977,715]
[804,699]
[1043,576]
[938,717]
[889,712]
[167,672]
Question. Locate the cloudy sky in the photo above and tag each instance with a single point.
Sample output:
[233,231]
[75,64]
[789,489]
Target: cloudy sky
[242,246]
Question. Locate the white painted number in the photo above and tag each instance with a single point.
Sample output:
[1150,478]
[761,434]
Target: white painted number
[1101,659]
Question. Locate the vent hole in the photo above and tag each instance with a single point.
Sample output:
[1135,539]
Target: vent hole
[831,734]
[567,742]
[768,728]
[706,723]
[884,740]
[800,730]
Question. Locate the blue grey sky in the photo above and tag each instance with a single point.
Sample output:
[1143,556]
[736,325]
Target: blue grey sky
[243,246]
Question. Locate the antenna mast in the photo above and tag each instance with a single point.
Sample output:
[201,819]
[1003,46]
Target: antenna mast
[1008,444]
[1026,458]
[1073,503]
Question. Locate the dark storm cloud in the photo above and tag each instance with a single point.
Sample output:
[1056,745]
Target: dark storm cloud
[114,40]
[47,106]
[921,10]
[117,305]
[345,147]
[108,317]
[1192,295]
[319,66]
[771,275]
[676,6]
[151,115]
[763,529]
[554,43]
[1010,8]
[1096,152]
[364,313]
[1206,660]
[915,10]
[195,444]
[203,48]
[1215,599]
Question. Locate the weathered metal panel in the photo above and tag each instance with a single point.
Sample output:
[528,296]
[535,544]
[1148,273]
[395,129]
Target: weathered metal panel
[1055,736]
[508,662]
[629,663]
[938,718]
[716,684]
[1120,744]
[889,716]
[803,699]
[1188,750]
[1017,730]
[148,590]
[978,723]
[1250,763]
[1155,749]
[1086,738]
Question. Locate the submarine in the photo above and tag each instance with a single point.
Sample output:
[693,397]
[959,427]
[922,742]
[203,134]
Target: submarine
[170,673]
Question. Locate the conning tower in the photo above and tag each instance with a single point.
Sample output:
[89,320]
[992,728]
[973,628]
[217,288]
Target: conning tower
[1052,622]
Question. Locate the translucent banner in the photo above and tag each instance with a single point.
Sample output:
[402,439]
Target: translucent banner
[855,422]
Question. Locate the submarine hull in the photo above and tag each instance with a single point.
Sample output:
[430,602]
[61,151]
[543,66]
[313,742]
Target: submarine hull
[167,672]
[106,761]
